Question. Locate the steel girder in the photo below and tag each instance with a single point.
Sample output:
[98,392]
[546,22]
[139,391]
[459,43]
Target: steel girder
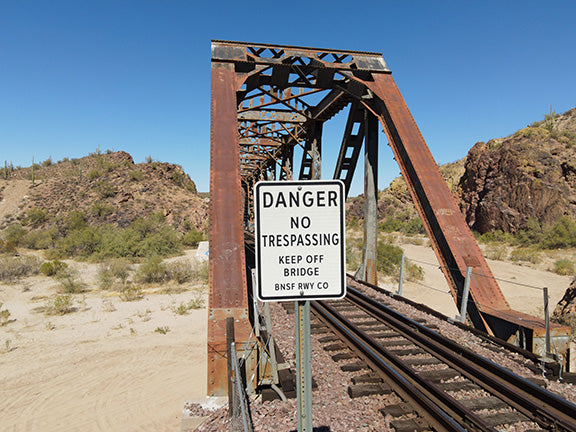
[268,99]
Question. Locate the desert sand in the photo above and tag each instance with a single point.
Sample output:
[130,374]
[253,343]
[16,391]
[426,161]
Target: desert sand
[105,368]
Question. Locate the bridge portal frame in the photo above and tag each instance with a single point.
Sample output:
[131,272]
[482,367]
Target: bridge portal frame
[268,99]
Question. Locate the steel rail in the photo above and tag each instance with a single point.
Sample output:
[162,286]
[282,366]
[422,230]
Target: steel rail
[540,405]
[431,402]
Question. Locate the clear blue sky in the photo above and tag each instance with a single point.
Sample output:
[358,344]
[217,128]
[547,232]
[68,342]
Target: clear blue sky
[134,75]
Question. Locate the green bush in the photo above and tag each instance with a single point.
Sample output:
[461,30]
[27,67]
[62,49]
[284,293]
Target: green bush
[560,235]
[413,226]
[388,258]
[14,234]
[52,268]
[390,224]
[61,305]
[153,270]
[75,220]
[114,271]
[192,238]
[70,282]
[35,217]
[105,190]
[101,210]
[79,243]
[497,252]
[131,293]
[414,272]
[4,316]
[136,175]
[526,255]
[564,267]
[93,174]
[39,239]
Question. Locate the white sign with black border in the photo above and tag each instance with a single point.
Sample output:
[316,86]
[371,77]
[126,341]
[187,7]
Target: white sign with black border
[300,240]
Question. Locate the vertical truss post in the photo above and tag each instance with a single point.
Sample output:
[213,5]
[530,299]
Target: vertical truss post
[351,145]
[370,197]
[311,157]
[228,288]
[287,163]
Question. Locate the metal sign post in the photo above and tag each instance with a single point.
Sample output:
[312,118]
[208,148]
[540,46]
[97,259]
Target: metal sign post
[303,366]
[300,255]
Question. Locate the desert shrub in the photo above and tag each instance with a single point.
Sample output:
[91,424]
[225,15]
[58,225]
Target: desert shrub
[35,217]
[353,223]
[162,243]
[100,209]
[70,282]
[136,175]
[42,239]
[202,272]
[390,224]
[560,235]
[13,268]
[388,258]
[14,234]
[4,316]
[564,267]
[192,238]
[497,252]
[413,226]
[113,271]
[61,305]
[414,272]
[525,255]
[52,268]
[162,330]
[75,220]
[179,271]
[131,293]
[47,162]
[7,247]
[494,237]
[153,270]
[79,243]
[93,174]
[352,257]
[105,190]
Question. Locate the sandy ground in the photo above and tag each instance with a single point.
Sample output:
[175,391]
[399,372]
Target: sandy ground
[105,368]
[102,367]
[434,291]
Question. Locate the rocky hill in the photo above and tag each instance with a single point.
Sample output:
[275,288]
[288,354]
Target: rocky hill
[106,188]
[505,184]
[529,176]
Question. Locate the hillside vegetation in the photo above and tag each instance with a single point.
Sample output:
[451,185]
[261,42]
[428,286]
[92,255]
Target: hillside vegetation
[520,189]
[101,206]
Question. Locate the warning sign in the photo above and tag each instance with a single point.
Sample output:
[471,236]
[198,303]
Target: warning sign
[300,240]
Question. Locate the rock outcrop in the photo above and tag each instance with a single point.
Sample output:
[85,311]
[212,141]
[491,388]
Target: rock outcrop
[530,175]
[109,188]
[565,311]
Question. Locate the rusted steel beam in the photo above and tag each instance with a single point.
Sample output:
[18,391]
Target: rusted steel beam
[351,145]
[228,289]
[451,237]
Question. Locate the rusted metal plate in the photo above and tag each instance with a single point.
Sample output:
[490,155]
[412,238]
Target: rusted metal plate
[227,295]
[451,236]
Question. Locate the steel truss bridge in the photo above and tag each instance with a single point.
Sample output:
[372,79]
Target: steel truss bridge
[266,100]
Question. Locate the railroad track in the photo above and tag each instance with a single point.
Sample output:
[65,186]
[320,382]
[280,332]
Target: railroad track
[444,385]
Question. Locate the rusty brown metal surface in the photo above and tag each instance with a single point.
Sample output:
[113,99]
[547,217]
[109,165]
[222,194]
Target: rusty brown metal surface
[227,292]
[452,238]
[267,101]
